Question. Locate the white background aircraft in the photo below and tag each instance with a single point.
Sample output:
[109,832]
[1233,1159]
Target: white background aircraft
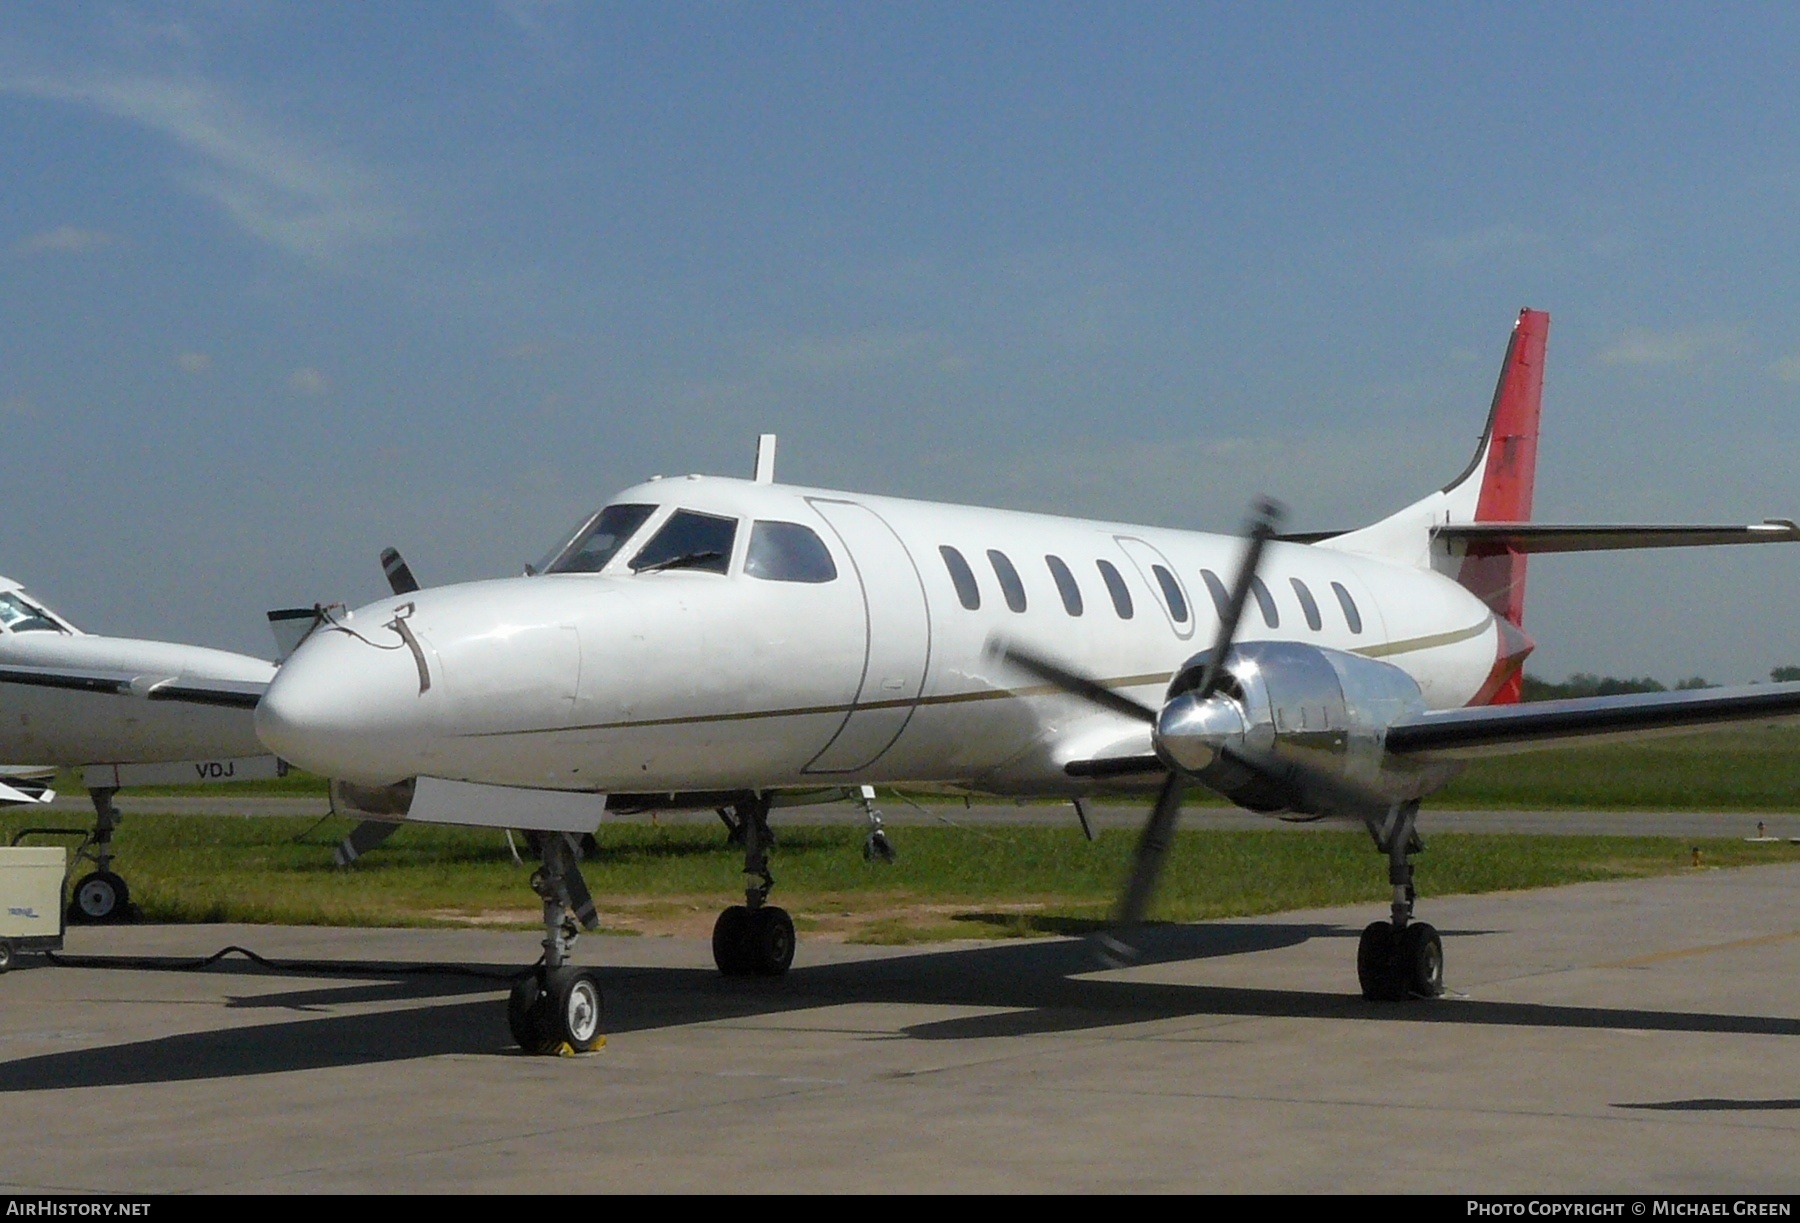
[708,641]
[123,709]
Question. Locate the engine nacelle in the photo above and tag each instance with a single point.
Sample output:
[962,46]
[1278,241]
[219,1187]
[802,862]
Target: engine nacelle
[1284,699]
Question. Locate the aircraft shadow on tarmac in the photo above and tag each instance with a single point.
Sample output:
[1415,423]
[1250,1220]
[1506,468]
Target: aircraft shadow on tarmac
[1033,987]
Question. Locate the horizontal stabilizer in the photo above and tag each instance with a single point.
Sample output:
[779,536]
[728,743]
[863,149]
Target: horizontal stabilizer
[1494,730]
[19,791]
[1547,537]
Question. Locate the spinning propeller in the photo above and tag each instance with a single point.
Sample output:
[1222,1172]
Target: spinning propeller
[1205,706]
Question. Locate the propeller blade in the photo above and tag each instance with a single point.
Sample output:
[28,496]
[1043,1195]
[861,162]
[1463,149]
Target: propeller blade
[1265,518]
[1152,851]
[1073,684]
[399,576]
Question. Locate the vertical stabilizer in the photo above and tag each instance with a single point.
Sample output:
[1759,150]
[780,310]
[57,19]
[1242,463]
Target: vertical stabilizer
[1496,486]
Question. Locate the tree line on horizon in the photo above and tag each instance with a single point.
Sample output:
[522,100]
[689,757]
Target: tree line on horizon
[1583,683]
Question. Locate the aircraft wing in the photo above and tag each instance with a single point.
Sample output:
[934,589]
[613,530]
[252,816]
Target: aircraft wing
[191,689]
[1497,730]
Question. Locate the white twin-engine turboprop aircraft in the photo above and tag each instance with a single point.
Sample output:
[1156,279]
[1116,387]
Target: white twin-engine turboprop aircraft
[718,642]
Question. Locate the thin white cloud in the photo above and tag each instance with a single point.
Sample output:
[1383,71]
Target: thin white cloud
[1643,346]
[310,202]
[64,240]
[875,346]
[1478,244]
[309,382]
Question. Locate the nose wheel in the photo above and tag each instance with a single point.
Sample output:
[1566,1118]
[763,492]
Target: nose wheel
[555,1010]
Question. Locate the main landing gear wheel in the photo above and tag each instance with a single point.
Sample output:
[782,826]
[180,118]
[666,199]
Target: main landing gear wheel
[100,897]
[6,955]
[1394,966]
[753,942]
[553,1009]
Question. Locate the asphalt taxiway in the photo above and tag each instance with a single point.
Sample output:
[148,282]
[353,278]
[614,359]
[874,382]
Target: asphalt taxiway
[1639,1036]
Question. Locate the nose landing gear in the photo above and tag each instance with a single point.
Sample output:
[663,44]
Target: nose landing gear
[556,1007]
[754,938]
[101,896]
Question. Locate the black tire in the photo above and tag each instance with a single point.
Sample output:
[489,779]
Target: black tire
[770,942]
[99,897]
[1421,957]
[528,1015]
[731,937]
[575,1015]
[1377,964]
[6,955]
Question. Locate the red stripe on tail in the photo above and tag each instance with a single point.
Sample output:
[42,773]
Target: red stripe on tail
[1494,573]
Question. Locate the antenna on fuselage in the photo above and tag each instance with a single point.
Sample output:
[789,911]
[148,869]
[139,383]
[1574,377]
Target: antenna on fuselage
[765,458]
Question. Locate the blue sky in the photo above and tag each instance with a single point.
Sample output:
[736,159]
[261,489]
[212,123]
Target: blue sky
[288,283]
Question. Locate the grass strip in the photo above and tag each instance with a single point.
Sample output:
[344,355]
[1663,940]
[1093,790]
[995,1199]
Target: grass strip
[949,882]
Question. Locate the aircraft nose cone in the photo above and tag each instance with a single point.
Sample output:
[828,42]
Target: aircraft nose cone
[345,708]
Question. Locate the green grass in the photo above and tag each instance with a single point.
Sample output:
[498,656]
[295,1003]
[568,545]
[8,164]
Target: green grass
[1744,769]
[949,882]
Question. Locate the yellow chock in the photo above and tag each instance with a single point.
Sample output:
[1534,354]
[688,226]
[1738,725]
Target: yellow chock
[1696,855]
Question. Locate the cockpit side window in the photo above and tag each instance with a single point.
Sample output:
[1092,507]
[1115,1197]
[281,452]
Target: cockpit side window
[599,540]
[19,616]
[788,552]
[689,540]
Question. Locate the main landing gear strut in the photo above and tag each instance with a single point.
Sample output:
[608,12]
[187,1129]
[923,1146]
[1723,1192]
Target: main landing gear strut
[755,938]
[1400,958]
[556,1007]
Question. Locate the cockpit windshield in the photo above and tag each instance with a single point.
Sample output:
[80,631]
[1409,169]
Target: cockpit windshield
[21,616]
[689,540]
[598,540]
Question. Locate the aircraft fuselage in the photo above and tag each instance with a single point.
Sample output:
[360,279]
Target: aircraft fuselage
[679,680]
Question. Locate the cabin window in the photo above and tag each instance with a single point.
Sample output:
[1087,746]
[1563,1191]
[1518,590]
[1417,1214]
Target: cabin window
[1308,607]
[1352,617]
[1065,585]
[962,577]
[1266,602]
[1220,597]
[1010,586]
[788,552]
[1115,586]
[20,616]
[598,540]
[689,540]
[1172,592]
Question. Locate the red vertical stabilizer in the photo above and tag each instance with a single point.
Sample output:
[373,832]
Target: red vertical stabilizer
[1506,464]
